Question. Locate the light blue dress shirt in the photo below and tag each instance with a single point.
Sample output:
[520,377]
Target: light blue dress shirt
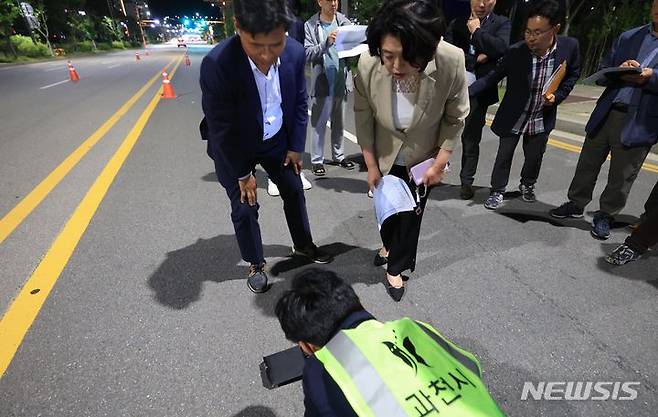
[269,91]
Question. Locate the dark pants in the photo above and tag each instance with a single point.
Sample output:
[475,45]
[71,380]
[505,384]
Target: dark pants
[646,234]
[245,217]
[625,164]
[534,147]
[471,139]
[400,232]
[652,203]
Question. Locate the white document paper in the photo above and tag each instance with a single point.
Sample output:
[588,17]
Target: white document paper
[470,78]
[349,40]
[392,195]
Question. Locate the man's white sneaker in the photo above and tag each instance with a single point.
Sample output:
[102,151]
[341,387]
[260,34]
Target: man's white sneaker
[272,189]
[306,184]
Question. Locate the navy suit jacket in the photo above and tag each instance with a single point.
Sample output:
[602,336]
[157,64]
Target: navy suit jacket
[492,39]
[322,396]
[516,65]
[641,126]
[233,122]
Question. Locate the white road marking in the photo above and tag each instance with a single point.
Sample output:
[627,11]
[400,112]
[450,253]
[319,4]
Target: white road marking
[113,66]
[58,68]
[346,134]
[53,84]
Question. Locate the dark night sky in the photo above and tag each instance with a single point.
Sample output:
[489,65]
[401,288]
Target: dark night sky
[162,8]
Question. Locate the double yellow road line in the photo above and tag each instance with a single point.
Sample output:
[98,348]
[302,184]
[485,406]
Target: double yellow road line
[26,306]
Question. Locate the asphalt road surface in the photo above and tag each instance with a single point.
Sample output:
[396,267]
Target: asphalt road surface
[123,293]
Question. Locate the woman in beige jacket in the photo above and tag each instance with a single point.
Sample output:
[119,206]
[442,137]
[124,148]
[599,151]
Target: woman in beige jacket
[410,103]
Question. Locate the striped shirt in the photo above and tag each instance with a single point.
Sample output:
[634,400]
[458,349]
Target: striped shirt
[531,121]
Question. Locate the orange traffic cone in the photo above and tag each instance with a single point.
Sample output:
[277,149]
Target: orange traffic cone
[73,74]
[165,76]
[137,58]
[187,60]
[167,89]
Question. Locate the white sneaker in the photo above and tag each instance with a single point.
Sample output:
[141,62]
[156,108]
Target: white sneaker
[272,189]
[306,184]
[370,193]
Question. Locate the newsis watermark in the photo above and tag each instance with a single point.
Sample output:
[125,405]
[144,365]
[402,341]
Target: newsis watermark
[579,391]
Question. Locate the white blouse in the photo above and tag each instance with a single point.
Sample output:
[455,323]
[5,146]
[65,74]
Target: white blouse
[405,92]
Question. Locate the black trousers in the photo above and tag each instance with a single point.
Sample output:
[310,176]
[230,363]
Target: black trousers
[534,147]
[646,235]
[400,232]
[270,156]
[471,139]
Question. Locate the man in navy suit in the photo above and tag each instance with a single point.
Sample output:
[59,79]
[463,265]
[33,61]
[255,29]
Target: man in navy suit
[254,102]
[624,124]
[525,110]
[484,37]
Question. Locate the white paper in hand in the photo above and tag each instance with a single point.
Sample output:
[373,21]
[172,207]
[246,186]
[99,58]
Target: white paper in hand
[349,40]
[392,195]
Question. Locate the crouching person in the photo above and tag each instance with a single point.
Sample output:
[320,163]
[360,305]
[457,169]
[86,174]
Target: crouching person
[358,366]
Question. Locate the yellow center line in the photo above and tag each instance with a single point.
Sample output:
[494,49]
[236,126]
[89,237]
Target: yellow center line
[24,309]
[576,149]
[15,217]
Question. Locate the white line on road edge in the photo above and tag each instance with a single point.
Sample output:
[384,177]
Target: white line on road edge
[58,68]
[53,84]
[113,66]
[346,134]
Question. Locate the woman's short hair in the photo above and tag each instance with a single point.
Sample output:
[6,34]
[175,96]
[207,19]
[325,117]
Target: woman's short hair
[418,24]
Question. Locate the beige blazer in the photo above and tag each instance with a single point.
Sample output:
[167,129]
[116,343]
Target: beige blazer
[439,113]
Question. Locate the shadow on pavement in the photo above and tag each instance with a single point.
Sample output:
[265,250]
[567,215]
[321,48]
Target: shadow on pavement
[177,281]
[538,212]
[255,411]
[343,184]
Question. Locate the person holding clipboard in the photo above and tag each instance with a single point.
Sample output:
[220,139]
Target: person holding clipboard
[528,109]
[624,124]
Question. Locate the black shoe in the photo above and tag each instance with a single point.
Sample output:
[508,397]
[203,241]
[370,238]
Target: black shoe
[466,192]
[313,253]
[348,165]
[380,260]
[601,225]
[494,201]
[257,278]
[623,254]
[528,193]
[394,292]
[568,209]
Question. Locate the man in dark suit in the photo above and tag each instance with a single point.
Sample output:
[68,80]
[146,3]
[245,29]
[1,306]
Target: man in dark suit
[525,110]
[254,102]
[484,37]
[624,124]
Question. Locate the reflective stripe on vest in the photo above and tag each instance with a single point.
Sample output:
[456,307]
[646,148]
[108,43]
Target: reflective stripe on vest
[394,369]
[463,359]
[374,392]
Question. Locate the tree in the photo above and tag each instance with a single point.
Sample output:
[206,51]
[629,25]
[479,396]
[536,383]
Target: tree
[82,28]
[363,10]
[8,14]
[111,28]
[42,24]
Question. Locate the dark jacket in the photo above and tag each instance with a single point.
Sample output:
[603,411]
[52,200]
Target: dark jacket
[233,122]
[516,65]
[322,397]
[492,39]
[641,126]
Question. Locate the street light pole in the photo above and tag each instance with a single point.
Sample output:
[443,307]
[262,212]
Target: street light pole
[139,23]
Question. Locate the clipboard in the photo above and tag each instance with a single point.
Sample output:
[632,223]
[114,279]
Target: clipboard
[555,79]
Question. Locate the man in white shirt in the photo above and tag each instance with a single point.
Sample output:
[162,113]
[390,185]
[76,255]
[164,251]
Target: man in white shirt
[254,102]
